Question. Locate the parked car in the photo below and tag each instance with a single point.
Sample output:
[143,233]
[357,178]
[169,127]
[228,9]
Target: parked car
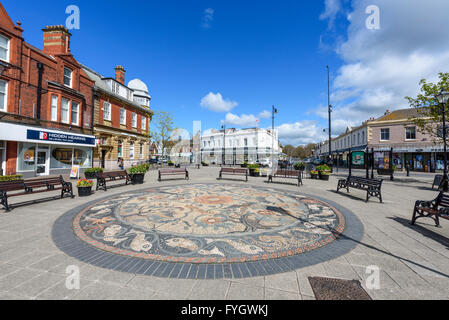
[264,162]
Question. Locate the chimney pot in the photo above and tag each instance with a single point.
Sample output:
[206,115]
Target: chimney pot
[56,40]
[120,74]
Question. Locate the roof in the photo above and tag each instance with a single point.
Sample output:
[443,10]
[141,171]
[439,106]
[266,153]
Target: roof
[402,114]
[101,85]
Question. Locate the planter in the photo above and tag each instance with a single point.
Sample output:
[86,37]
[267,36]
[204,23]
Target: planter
[313,176]
[84,191]
[137,178]
[90,175]
[324,177]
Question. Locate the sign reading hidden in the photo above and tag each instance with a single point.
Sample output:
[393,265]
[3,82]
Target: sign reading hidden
[59,137]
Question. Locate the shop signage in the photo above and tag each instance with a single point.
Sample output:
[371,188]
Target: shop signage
[59,137]
[358,158]
[75,172]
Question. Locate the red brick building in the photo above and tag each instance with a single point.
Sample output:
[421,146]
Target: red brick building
[46,104]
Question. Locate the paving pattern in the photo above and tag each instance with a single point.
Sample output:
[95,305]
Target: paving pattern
[200,231]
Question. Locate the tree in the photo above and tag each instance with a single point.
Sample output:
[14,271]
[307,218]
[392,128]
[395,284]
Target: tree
[288,150]
[163,127]
[428,109]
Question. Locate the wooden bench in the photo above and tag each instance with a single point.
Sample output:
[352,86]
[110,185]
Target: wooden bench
[103,177]
[33,186]
[372,186]
[171,172]
[288,174]
[435,209]
[234,172]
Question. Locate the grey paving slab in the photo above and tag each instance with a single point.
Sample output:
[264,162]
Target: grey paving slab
[273,294]
[239,291]
[210,290]
[284,281]
[35,286]
[16,278]
[97,291]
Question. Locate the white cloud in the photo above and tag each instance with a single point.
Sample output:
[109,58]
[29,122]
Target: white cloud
[383,66]
[208,17]
[245,120]
[331,10]
[265,114]
[215,102]
[300,133]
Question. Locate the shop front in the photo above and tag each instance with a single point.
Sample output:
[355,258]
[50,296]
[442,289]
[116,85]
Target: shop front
[40,152]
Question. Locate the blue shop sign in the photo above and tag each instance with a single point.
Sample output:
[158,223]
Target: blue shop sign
[59,137]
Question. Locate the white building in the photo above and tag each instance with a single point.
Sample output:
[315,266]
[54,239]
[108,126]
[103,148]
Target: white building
[239,146]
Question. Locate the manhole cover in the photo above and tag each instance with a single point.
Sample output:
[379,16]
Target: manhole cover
[337,289]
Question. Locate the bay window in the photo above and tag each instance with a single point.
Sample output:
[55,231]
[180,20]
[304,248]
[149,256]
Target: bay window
[4,48]
[122,116]
[54,108]
[134,120]
[75,113]
[144,123]
[107,111]
[65,110]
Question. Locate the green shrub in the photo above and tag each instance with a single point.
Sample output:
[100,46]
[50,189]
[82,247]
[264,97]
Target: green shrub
[171,163]
[14,177]
[253,166]
[93,170]
[324,169]
[204,164]
[137,169]
[299,166]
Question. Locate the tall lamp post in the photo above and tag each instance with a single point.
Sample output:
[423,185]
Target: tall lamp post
[223,161]
[443,98]
[329,109]
[273,112]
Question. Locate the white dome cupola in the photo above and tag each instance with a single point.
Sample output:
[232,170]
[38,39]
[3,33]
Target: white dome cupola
[141,94]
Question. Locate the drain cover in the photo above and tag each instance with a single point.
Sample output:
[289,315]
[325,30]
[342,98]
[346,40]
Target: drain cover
[337,289]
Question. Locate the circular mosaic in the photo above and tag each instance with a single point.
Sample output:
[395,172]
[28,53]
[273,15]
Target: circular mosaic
[209,223]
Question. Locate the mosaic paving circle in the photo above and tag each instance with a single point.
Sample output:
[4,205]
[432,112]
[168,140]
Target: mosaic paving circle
[209,223]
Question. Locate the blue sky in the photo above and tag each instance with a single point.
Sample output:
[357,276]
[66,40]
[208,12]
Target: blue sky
[216,60]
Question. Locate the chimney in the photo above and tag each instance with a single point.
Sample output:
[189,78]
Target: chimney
[120,74]
[56,40]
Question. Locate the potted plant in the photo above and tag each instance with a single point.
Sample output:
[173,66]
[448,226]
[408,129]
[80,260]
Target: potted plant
[252,170]
[84,187]
[137,174]
[299,166]
[314,174]
[91,173]
[324,172]
[244,165]
[171,163]
[204,164]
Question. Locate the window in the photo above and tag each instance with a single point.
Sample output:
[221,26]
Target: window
[246,142]
[144,123]
[385,134]
[358,138]
[134,120]
[68,77]
[107,111]
[363,136]
[65,110]
[3,95]
[4,48]
[54,108]
[122,116]
[119,149]
[141,151]
[410,133]
[75,112]
[131,150]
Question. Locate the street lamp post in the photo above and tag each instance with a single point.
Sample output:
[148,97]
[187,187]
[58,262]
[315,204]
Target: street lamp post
[224,144]
[273,112]
[443,98]
[329,107]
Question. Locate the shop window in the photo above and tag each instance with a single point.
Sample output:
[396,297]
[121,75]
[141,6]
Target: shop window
[61,158]
[120,149]
[82,157]
[3,95]
[27,155]
[385,134]
[4,48]
[410,133]
[131,150]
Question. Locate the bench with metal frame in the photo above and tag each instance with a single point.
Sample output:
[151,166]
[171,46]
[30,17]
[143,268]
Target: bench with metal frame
[233,172]
[435,209]
[176,171]
[33,186]
[373,187]
[288,174]
[111,176]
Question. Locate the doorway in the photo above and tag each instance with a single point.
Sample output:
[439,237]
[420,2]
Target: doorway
[42,164]
[103,157]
